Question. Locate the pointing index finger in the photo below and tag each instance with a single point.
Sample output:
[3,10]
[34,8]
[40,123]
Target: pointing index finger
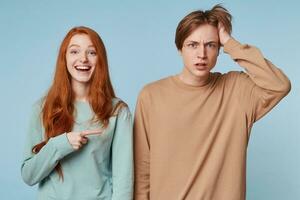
[91,132]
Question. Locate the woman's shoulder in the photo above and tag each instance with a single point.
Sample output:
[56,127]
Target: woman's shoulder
[119,105]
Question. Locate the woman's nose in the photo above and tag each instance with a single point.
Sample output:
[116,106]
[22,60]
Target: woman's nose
[83,57]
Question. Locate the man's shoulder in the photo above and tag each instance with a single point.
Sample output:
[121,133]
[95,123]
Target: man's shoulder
[233,79]
[232,75]
[156,85]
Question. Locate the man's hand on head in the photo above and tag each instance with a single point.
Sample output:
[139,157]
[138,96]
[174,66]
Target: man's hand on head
[224,36]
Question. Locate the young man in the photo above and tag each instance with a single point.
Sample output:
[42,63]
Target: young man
[191,130]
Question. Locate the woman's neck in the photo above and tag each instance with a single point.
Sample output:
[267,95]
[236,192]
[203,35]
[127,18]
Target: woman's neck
[80,90]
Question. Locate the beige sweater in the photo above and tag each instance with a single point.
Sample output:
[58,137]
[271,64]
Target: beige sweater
[191,142]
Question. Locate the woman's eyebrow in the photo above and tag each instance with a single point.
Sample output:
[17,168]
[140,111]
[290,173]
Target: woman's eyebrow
[73,45]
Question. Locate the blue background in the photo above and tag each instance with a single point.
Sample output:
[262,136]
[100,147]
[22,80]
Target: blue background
[139,37]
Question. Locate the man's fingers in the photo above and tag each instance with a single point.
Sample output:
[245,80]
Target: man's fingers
[91,132]
[220,25]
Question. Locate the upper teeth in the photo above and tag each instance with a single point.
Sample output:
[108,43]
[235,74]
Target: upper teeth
[82,67]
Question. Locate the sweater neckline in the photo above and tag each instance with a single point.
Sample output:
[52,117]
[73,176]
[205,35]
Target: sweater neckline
[185,86]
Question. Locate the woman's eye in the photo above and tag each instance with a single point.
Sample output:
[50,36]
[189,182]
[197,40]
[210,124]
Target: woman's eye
[74,51]
[92,52]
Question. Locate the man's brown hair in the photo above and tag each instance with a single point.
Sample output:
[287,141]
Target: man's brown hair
[193,20]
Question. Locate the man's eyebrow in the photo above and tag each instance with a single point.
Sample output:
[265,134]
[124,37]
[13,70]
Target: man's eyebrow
[193,41]
[211,41]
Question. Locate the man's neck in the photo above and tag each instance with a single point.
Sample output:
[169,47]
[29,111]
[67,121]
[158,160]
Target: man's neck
[189,79]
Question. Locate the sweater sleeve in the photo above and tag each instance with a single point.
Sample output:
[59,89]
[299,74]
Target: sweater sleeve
[141,150]
[36,167]
[122,157]
[262,86]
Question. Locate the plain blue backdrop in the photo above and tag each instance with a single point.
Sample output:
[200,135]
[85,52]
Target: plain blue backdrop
[139,37]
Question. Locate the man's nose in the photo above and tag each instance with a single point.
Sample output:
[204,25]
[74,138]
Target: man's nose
[201,51]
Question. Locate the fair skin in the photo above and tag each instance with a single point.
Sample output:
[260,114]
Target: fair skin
[81,58]
[199,53]
[79,139]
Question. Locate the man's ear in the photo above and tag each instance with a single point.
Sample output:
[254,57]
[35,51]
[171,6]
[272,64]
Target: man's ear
[219,49]
[180,52]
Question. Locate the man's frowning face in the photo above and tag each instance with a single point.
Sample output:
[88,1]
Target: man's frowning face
[200,50]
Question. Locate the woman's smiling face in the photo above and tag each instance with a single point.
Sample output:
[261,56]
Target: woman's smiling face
[81,58]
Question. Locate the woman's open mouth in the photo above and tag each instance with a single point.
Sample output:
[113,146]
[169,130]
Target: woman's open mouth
[83,68]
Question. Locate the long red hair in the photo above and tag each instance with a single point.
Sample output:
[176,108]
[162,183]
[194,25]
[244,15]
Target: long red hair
[58,107]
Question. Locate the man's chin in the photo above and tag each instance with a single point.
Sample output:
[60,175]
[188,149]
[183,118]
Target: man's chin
[201,73]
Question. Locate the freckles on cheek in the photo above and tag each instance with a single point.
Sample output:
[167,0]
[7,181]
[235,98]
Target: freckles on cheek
[94,62]
[71,62]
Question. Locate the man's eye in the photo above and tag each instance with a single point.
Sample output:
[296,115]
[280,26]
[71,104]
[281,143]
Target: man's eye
[211,45]
[192,45]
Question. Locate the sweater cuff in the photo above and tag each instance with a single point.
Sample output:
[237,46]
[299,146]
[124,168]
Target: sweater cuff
[62,145]
[230,45]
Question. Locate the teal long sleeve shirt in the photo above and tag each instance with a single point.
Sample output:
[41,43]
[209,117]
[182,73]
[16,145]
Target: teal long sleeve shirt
[101,169]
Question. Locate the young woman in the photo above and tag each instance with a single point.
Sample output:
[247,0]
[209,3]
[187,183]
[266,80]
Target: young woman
[79,143]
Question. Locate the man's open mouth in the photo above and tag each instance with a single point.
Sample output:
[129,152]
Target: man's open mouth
[201,66]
